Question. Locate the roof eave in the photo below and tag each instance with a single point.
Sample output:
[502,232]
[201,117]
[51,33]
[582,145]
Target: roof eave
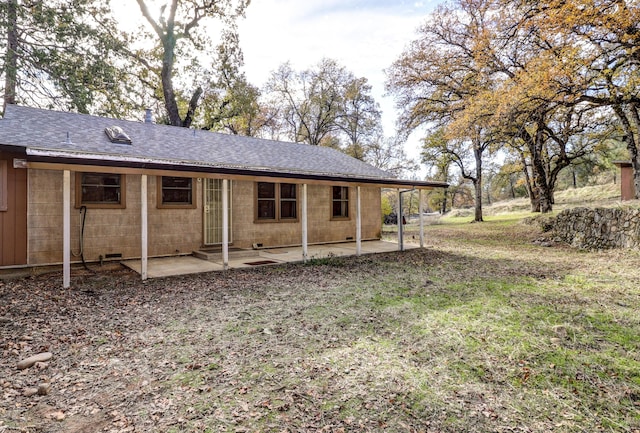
[69,158]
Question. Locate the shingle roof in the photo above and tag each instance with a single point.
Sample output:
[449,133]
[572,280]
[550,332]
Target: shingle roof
[79,137]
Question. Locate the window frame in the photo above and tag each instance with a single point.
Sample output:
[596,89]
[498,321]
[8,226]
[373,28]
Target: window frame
[4,186]
[122,204]
[160,204]
[346,202]
[277,201]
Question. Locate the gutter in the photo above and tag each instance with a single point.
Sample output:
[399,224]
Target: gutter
[106,160]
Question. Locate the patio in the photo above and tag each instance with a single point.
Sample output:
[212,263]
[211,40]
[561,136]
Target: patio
[169,266]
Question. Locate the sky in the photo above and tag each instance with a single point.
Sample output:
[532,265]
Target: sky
[365,36]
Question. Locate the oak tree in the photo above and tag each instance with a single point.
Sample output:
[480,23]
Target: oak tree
[180,41]
[59,55]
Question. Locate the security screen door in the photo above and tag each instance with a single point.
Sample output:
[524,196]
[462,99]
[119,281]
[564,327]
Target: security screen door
[213,211]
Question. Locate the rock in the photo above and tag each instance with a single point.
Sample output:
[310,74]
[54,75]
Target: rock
[58,416]
[40,357]
[44,388]
[28,392]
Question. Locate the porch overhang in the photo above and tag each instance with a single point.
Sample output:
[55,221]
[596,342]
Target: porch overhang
[59,160]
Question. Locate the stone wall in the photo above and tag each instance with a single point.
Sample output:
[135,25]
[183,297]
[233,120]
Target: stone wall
[601,228]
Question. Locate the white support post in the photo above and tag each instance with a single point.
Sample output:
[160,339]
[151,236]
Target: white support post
[144,228]
[305,230]
[358,223]
[225,224]
[66,229]
[400,227]
[421,218]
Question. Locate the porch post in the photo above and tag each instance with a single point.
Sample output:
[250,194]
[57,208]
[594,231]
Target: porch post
[400,227]
[305,247]
[421,218]
[66,229]
[225,224]
[144,230]
[358,223]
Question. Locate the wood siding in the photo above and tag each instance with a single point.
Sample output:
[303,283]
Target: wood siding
[13,220]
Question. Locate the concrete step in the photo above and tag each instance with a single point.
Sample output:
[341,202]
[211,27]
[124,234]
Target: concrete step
[216,254]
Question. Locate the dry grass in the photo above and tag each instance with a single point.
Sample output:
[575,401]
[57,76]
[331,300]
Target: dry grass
[607,195]
[483,331]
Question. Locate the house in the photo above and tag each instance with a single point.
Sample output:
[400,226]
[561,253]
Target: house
[78,187]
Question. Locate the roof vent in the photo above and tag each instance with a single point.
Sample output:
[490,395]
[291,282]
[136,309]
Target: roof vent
[117,135]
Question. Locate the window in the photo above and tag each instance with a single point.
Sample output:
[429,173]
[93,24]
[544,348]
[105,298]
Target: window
[3,186]
[276,201]
[175,192]
[100,190]
[340,202]
[266,201]
[288,202]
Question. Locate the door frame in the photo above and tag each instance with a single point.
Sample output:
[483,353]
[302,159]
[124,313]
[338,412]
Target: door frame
[209,222]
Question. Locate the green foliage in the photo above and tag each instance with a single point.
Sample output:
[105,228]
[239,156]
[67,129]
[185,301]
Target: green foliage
[61,56]
[387,209]
[178,41]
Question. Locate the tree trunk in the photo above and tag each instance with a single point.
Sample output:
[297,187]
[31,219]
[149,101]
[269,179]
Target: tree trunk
[543,190]
[511,186]
[11,58]
[477,182]
[477,185]
[529,184]
[166,75]
[632,146]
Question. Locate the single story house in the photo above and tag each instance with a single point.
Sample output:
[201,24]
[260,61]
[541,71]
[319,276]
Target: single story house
[79,187]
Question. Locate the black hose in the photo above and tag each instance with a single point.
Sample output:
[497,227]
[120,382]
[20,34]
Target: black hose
[83,216]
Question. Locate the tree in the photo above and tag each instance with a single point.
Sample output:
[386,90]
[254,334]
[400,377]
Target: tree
[388,153]
[179,41]
[326,105]
[438,78]
[230,103]
[310,101]
[59,54]
[609,34]
[466,155]
[359,118]
[563,54]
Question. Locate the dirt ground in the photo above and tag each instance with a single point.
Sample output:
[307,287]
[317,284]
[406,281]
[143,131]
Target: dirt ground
[325,347]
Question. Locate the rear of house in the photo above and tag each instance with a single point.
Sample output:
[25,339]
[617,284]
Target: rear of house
[96,189]
[184,214]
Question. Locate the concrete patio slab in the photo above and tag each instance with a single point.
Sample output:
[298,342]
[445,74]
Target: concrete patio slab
[169,266]
[181,265]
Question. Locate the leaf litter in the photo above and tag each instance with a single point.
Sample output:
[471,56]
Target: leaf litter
[419,341]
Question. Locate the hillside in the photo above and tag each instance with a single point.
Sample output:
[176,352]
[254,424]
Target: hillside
[607,195]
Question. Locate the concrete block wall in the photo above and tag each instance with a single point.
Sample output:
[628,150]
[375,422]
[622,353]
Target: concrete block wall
[106,231]
[173,231]
[321,227]
[179,231]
